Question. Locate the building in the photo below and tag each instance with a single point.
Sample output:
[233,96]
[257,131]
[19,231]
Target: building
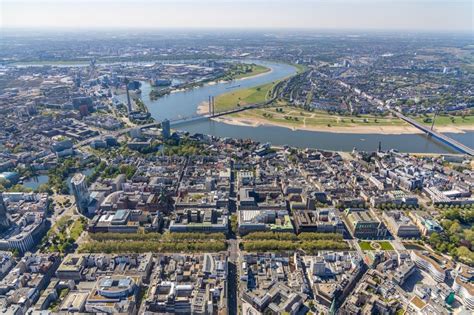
[165,129]
[24,283]
[200,220]
[272,284]
[4,221]
[27,221]
[114,295]
[264,220]
[75,302]
[435,265]
[124,221]
[92,266]
[188,284]
[71,267]
[425,223]
[363,224]
[400,225]
[464,287]
[9,178]
[321,220]
[80,191]
[333,275]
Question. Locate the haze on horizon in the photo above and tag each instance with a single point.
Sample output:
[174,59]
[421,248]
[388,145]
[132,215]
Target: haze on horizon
[424,15]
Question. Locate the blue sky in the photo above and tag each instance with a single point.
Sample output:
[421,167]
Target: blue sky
[428,15]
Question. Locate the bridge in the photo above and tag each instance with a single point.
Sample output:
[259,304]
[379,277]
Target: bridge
[439,136]
[174,122]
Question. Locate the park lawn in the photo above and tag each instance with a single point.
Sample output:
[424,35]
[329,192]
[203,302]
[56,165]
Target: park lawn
[243,97]
[447,120]
[76,229]
[384,245]
[365,246]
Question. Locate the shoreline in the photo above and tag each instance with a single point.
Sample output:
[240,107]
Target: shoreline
[385,130]
[202,108]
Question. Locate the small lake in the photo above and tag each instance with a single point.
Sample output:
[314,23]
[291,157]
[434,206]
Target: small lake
[35,181]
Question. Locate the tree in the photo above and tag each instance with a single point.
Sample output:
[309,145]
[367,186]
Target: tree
[45,188]
[455,228]
[234,224]
[465,255]
[435,239]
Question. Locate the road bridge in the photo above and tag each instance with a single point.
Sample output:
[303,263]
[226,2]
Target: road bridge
[437,135]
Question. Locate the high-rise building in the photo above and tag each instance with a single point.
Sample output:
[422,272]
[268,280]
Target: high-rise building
[80,191]
[4,222]
[166,128]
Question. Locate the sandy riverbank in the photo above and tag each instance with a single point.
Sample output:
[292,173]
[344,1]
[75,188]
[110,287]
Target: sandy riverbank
[394,130]
[203,108]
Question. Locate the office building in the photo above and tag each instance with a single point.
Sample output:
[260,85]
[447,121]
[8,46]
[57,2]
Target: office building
[80,191]
[165,126]
[4,222]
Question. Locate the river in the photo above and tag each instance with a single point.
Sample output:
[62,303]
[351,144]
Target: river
[184,104]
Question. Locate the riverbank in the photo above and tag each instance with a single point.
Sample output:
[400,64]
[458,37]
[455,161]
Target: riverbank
[356,129]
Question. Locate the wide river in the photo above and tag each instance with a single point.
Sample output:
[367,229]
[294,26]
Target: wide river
[184,104]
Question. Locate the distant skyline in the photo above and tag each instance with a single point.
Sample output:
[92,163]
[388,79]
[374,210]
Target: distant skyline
[423,15]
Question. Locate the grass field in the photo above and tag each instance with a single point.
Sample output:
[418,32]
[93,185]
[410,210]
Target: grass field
[254,70]
[253,95]
[384,245]
[243,97]
[244,70]
[300,68]
[296,117]
[447,120]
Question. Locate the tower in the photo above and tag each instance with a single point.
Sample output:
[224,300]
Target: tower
[4,222]
[165,127]
[129,103]
[213,106]
[80,191]
[210,106]
[434,118]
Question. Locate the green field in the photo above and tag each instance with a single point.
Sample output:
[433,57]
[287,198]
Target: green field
[253,95]
[447,120]
[300,68]
[244,70]
[299,118]
[384,245]
[251,71]
[243,97]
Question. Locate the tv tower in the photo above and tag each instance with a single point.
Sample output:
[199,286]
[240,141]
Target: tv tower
[129,103]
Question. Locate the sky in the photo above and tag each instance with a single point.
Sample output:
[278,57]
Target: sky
[424,15]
